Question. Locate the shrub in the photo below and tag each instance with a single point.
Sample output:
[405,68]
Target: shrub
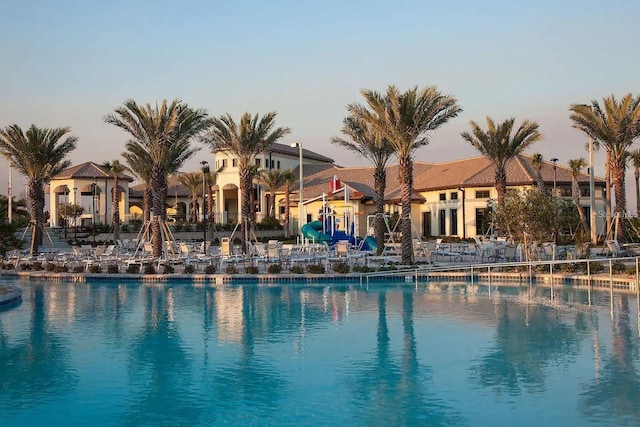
[112,269]
[357,268]
[569,268]
[341,267]
[596,267]
[232,269]
[542,268]
[61,269]
[168,269]
[188,269]
[618,267]
[133,268]
[49,266]
[274,269]
[210,269]
[94,268]
[8,266]
[296,269]
[78,269]
[149,269]
[178,227]
[251,269]
[37,266]
[315,269]
[269,223]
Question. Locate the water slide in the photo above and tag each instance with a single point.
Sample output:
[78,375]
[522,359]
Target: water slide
[370,244]
[313,232]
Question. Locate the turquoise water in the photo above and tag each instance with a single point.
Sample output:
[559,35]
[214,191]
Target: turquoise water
[109,354]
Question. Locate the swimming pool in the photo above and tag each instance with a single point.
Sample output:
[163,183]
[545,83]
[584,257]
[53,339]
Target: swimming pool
[125,354]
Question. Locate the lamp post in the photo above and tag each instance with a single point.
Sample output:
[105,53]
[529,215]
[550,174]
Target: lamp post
[555,161]
[205,168]
[300,205]
[464,221]
[592,197]
[9,201]
[93,213]
[75,207]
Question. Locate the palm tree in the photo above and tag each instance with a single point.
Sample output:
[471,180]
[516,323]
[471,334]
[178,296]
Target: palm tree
[364,140]
[536,162]
[139,164]
[193,182]
[499,146]
[289,179]
[162,131]
[272,180]
[634,156]
[244,141]
[576,166]
[116,169]
[39,154]
[405,120]
[615,125]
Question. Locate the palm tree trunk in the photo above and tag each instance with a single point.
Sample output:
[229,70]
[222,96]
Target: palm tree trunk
[194,213]
[273,204]
[286,210]
[501,186]
[618,169]
[147,201]
[405,176]
[36,212]
[540,181]
[380,184]
[636,175]
[245,207]
[115,208]
[158,183]
[210,215]
[575,193]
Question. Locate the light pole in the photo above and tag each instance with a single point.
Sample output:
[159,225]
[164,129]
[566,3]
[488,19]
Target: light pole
[555,161]
[300,205]
[592,197]
[464,221]
[93,213]
[75,221]
[10,202]
[205,169]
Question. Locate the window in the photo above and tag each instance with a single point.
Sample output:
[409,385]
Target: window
[453,224]
[443,196]
[278,164]
[258,162]
[454,195]
[584,192]
[482,194]
[442,220]
[481,221]
[224,163]
[234,163]
[273,164]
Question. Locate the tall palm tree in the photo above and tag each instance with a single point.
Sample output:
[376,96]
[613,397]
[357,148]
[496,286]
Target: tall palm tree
[499,146]
[576,166]
[615,125]
[160,130]
[364,140]
[405,120]
[272,179]
[244,141]
[39,154]
[193,182]
[634,156]
[116,169]
[289,179]
[536,162]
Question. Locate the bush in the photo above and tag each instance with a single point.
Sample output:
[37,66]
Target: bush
[357,268]
[315,269]
[618,267]
[37,266]
[112,269]
[232,269]
[596,267]
[94,268]
[251,269]
[149,269]
[210,269]
[269,223]
[61,269]
[341,267]
[8,266]
[133,268]
[78,269]
[188,269]
[274,269]
[570,268]
[49,266]
[168,269]
[296,269]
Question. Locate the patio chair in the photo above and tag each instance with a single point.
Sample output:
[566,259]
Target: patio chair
[613,249]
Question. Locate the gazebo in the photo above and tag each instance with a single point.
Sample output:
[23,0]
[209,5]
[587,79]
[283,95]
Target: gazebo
[86,185]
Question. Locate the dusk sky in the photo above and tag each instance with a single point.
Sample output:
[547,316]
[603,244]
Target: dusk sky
[68,63]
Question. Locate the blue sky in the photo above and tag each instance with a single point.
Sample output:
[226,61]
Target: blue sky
[68,63]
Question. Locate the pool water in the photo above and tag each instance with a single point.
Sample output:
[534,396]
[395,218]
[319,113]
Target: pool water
[124,354]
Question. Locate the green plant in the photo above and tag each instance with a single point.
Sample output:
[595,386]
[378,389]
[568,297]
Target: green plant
[168,269]
[112,269]
[231,269]
[8,266]
[78,269]
[61,269]
[149,269]
[188,269]
[570,267]
[357,268]
[49,266]
[596,267]
[94,268]
[618,267]
[296,269]
[210,269]
[251,269]
[133,268]
[341,267]
[315,269]
[630,270]
[37,266]
[274,269]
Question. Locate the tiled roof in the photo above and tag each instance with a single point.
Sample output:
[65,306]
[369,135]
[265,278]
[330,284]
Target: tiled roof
[88,170]
[174,188]
[294,151]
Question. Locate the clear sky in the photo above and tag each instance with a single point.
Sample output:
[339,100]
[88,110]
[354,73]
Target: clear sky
[68,63]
